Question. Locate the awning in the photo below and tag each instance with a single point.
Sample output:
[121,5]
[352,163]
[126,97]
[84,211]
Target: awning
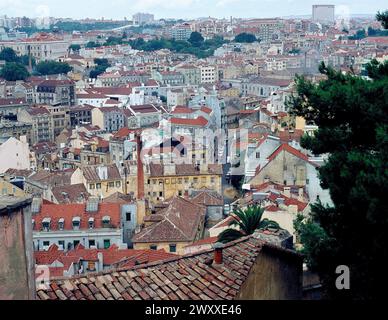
[91,219]
[61,220]
[76,219]
[106,218]
[46,220]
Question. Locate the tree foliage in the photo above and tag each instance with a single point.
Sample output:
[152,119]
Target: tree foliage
[247,221]
[9,55]
[245,38]
[14,71]
[101,66]
[352,115]
[196,39]
[383,18]
[52,67]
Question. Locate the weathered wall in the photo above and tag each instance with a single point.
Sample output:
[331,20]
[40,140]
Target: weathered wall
[274,276]
[15,258]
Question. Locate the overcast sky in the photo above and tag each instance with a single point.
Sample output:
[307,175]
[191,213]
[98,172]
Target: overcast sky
[118,9]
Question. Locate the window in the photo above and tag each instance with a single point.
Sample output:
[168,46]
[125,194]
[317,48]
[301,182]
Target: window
[153,247]
[98,186]
[76,223]
[180,181]
[118,184]
[46,244]
[307,181]
[285,168]
[172,248]
[106,243]
[75,243]
[91,266]
[186,180]
[213,180]
[61,223]
[111,184]
[106,222]
[257,155]
[195,180]
[128,216]
[92,243]
[167,181]
[203,179]
[46,224]
[61,244]
[180,193]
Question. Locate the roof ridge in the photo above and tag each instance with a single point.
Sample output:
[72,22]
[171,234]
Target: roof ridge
[160,262]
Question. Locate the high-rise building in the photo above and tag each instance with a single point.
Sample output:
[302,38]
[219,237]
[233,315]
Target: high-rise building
[142,18]
[323,13]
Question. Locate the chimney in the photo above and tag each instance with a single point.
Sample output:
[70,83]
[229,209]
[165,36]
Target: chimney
[218,258]
[140,169]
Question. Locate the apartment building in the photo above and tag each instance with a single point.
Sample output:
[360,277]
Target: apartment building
[94,225]
[42,123]
[56,92]
[164,181]
[209,74]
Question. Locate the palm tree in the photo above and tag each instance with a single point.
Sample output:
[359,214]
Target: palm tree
[248,222]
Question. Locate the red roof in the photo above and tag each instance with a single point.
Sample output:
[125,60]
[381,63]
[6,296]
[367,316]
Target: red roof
[182,109]
[289,149]
[200,121]
[209,240]
[70,211]
[206,110]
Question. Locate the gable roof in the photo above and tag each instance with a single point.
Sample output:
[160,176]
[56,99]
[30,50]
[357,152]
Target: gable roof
[70,193]
[181,221]
[190,277]
[90,173]
[208,198]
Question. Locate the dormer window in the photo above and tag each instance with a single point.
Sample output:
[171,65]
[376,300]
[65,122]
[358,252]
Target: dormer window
[61,224]
[106,222]
[76,223]
[91,223]
[46,222]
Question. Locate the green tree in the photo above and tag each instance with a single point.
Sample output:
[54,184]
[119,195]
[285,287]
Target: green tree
[9,55]
[75,47]
[245,38]
[14,71]
[92,44]
[196,39]
[351,113]
[248,221]
[383,18]
[52,67]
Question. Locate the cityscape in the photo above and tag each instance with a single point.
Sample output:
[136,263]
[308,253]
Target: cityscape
[237,156]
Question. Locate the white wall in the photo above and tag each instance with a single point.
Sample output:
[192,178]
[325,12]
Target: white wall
[14,154]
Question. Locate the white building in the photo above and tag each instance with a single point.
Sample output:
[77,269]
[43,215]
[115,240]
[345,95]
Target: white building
[209,74]
[142,18]
[14,154]
[323,13]
[94,225]
[42,47]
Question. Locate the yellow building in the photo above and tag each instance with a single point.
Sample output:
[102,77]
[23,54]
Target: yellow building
[8,189]
[164,181]
[101,181]
[172,228]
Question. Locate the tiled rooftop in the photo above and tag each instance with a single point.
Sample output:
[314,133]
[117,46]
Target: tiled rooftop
[191,277]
